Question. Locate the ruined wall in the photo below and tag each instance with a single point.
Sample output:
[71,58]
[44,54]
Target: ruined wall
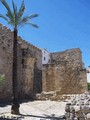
[48,77]
[6,44]
[28,74]
[31,69]
[26,65]
[65,73]
[33,50]
[6,63]
[73,56]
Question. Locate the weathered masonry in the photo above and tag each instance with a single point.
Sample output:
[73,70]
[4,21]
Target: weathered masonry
[29,66]
[64,73]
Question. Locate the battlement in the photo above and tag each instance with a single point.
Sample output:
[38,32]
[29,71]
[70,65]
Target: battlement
[27,44]
[73,50]
[5,31]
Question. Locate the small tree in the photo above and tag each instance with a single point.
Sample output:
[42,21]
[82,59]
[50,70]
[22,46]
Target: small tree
[16,19]
[2,78]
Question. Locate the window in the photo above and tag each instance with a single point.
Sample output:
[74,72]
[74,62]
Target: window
[44,58]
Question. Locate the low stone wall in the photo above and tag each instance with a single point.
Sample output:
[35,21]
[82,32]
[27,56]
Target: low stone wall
[53,96]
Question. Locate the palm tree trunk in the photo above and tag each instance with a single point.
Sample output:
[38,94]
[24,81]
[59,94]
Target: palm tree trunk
[15,103]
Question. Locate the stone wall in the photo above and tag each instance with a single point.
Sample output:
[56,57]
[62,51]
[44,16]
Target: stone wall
[30,74]
[73,56]
[65,73]
[31,69]
[29,58]
[33,50]
[6,40]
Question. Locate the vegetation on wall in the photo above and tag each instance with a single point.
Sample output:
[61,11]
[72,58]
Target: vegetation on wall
[88,86]
[2,78]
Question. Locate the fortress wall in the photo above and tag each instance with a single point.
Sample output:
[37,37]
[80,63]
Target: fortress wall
[73,56]
[65,73]
[6,58]
[25,69]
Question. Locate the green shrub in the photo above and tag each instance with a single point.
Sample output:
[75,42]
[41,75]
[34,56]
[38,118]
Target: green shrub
[2,78]
[88,86]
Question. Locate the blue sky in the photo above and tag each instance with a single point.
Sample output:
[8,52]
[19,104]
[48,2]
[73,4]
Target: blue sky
[63,24]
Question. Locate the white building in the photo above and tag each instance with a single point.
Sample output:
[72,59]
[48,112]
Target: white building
[88,74]
[45,56]
[88,69]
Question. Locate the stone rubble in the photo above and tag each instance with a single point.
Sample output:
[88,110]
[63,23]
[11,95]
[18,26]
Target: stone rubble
[78,107]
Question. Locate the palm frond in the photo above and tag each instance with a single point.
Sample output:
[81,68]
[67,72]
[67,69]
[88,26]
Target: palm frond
[15,18]
[11,23]
[15,13]
[9,12]
[8,20]
[33,25]
[25,20]
[21,10]
[33,16]
[6,6]
[2,16]
[14,8]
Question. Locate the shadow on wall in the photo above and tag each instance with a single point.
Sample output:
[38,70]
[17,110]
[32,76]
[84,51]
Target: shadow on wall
[37,84]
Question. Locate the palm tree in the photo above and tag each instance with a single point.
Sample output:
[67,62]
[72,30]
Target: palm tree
[16,19]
